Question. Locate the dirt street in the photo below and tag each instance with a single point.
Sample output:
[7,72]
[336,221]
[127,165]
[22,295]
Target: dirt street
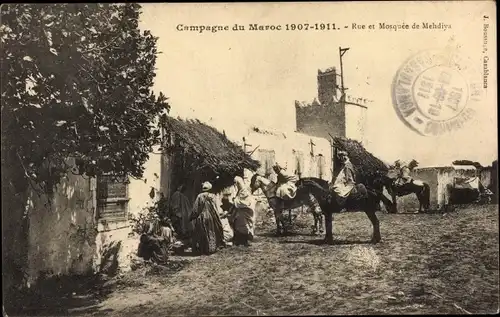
[435,263]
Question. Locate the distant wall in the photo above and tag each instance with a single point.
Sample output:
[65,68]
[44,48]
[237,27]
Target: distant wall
[445,181]
[430,176]
[439,180]
[494,178]
[485,177]
[355,122]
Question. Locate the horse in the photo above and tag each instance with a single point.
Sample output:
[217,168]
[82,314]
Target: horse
[365,199]
[419,188]
[278,205]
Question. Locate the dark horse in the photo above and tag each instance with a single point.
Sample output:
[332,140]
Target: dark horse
[303,197]
[365,199]
[419,188]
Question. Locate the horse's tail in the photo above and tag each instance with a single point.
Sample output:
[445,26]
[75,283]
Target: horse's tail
[427,196]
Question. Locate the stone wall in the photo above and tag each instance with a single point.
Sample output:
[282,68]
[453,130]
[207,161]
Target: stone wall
[321,120]
[327,83]
[62,231]
[66,236]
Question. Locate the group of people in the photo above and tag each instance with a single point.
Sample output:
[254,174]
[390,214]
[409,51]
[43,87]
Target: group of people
[207,225]
[342,186]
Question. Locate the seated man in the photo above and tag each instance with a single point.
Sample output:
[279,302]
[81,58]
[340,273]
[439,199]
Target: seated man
[285,187]
[156,241]
[404,176]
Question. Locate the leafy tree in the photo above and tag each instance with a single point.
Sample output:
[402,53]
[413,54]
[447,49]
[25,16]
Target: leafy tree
[468,162]
[76,82]
[413,164]
[398,164]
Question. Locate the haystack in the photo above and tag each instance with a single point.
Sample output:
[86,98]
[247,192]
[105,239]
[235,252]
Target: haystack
[365,163]
[204,153]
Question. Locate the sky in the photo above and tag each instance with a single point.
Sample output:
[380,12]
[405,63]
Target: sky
[235,78]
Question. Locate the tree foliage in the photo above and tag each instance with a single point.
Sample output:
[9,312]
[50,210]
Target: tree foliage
[468,162]
[398,164]
[77,82]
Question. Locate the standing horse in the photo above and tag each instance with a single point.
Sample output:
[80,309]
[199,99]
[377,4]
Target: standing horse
[419,188]
[302,198]
[365,199]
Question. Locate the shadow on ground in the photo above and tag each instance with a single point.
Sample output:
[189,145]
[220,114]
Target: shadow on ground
[319,242]
[60,296]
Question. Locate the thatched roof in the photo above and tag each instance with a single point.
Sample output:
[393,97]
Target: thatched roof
[210,152]
[365,163]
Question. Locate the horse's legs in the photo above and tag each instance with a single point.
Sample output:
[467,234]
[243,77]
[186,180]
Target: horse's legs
[375,223]
[394,209]
[320,222]
[315,226]
[317,218]
[277,217]
[420,204]
[328,227]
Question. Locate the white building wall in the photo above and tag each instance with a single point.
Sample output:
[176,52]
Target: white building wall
[286,145]
[139,189]
[355,122]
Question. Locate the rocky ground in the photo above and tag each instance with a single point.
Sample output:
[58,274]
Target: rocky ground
[425,264]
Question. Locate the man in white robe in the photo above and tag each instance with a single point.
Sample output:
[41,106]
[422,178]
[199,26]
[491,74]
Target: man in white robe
[404,176]
[345,182]
[243,214]
[286,188]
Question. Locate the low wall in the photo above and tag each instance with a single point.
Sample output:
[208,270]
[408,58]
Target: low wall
[115,247]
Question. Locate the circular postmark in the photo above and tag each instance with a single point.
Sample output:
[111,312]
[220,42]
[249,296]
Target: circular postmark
[436,92]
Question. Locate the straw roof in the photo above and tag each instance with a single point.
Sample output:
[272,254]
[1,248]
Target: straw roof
[210,152]
[365,163]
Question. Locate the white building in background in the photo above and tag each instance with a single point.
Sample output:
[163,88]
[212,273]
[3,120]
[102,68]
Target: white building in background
[355,118]
[302,155]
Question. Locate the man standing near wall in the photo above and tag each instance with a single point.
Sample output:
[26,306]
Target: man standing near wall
[180,209]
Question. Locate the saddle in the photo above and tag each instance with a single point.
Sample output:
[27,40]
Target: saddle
[401,182]
[286,191]
[358,192]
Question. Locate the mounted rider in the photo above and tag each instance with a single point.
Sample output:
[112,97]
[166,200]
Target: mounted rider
[404,176]
[285,185]
[345,183]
